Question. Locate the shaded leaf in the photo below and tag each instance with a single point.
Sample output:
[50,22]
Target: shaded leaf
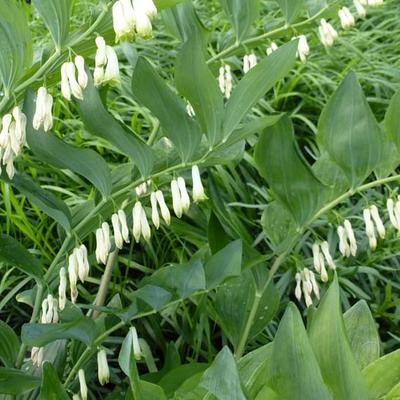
[9,345]
[154,296]
[51,387]
[44,199]
[15,382]
[39,335]
[349,132]
[150,90]
[392,119]
[13,253]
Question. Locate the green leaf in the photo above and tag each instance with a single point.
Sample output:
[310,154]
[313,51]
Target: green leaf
[162,4]
[152,391]
[362,333]
[15,382]
[293,369]
[15,43]
[9,345]
[203,92]
[156,297]
[44,199]
[171,381]
[185,278]
[256,83]
[349,132]
[54,151]
[394,394]
[150,90]
[242,14]
[383,374]
[315,6]
[222,378]
[99,122]
[217,237]
[56,16]
[183,22]
[39,335]
[243,308]
[253,369]
[290,177]
[13,253]
[331,346]
[51,387]
[392,119]
[267,393]
[279,225]
[227,263]
[291,8]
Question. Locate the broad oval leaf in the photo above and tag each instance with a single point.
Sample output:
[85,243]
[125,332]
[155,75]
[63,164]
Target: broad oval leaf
[45,200]
[291,8]
[227,263]
[242,15]
[54,151]
[256,83]
[39,335]
[150,90]
[222,379]
[383,374]
[15,43]
[9,345]
[293,368]
[51,387]
[15,382]
[56,16]
[348,131]
[202,92]
[392,120]
[329,340]
[288,174]
[362,333]
[13,253]
[101,123]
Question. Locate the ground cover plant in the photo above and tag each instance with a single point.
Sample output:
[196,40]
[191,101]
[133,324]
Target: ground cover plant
[199,199]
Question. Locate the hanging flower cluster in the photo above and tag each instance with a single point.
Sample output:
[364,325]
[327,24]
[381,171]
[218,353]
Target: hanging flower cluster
[249,62]
[106,64]
[43,117]
[131,17]
[12,139]
[225,80]
[78,264]
[306,285]
[70,83]
[348,244]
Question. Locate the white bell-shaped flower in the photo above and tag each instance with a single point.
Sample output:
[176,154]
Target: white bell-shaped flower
[82,75]
[327,255]
[62,289]
[303,49]
[360,9]
[123,20]
[198,189]
[103,372]
[378,222]
[137,221]
[155,217]
[272,48]
[82,384]
[176,199]
[369,229]
[75,89]
[344,247]
[137,352]
[166,215]
[346,18]
[185,199]
[297,291]
[111,73]
[65,88]
[144,226]
[327,33]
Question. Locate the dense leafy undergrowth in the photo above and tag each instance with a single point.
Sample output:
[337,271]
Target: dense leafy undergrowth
[226,298]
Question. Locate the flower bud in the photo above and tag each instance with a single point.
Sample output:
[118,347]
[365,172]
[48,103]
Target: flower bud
[272,48]
[62,289]
[102,367]
[176,199]
[185,199]
[40,111]
[369,228]
[228,81]
[392,217]
[123,20]
[327,33]
[137,352]
[378,222]
[144,226]
[82,75]
[327,255]
[82,384]
[124,225]
[119,241]
[37,356]
[361,11]
[137,221]
[154,210]
[316,257]
[111,74]
[83,263]
[351,237]
[344,247]
[297,291]
[303,49]
[198,189]
[143,25]
[166,215]
[101,53]
[346,18]
[73,84]
[65,87]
